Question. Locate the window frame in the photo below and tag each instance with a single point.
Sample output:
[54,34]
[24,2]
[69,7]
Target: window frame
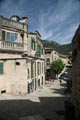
[15,36]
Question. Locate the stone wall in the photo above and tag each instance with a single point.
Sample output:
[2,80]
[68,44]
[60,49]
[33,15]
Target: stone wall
[14,77]
[76,70]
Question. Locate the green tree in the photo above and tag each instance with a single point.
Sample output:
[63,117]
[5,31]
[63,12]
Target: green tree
[57,66]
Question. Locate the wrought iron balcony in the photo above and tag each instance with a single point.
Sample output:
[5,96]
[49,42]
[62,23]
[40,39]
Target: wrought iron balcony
[6,45]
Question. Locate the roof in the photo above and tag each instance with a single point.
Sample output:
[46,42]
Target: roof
[76,35]
[63,56]
[49,49]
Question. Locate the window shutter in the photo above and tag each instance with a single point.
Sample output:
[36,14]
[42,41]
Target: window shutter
[1,68]
[31,44]
[3,35]
[35,68]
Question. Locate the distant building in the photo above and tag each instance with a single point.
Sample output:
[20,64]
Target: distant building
[64,58]
[36,65]
[18,53]
[76,72]
[50,56]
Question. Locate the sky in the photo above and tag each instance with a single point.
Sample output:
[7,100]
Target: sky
[56,20]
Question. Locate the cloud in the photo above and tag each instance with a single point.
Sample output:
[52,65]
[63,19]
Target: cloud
[54,19]
[60,23]
[11,7]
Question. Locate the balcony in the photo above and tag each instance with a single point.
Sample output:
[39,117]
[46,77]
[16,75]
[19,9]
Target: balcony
[13,46]
[10,23]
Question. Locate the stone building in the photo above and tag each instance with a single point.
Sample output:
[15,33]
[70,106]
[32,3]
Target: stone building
[64,58]
[50,55]
[15,56]
[76,72]
[36,65]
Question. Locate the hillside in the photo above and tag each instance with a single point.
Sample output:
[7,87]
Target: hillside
[63,49]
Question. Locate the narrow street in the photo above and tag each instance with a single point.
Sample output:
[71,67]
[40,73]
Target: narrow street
[47,102]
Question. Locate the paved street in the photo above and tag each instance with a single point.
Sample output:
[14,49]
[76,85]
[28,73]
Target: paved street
[47,102]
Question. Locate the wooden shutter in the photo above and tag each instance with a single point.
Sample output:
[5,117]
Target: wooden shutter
[1,67]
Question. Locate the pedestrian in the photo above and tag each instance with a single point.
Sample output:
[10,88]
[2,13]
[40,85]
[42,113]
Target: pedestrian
[60,81]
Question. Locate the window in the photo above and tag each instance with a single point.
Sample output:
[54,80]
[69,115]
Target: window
[9,36]
[33,45]
[28,73]
[32,69]
[39,50]
[35,68]
[38,68]
[42,67]
[42,51]
[48,61]
[3,35]
[17,63]
[1,68]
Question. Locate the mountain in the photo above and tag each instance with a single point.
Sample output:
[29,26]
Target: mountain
[63,49]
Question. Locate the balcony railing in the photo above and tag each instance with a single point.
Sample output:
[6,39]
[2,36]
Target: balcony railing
[6,45]
[11,23]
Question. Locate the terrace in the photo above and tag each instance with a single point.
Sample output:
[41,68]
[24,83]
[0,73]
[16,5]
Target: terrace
[11,23]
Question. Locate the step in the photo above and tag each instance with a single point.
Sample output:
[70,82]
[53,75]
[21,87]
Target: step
[35,117]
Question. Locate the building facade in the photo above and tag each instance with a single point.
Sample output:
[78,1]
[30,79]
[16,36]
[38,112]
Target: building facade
[64,58]
[36,64]
[16,56]
[76,72]
[50,56]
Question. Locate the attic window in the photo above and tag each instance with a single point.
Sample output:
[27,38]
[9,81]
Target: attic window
[17,63]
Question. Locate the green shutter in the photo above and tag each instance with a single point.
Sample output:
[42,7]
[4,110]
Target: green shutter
[33,46]
[42,67]
[1,67]
[31,69]
[35,69]
[31,43]
[42,51]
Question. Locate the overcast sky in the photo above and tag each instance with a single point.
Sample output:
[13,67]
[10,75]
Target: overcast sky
[56,20]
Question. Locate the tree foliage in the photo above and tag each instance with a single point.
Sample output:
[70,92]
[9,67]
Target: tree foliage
[57,66]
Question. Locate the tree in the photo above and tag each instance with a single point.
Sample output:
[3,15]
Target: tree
[57,66]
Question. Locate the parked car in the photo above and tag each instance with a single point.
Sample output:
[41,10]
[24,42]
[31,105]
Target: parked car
[63,76]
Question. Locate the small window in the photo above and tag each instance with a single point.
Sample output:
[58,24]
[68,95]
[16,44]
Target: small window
[1,68]
[17,63]
[3,91]
[48,61]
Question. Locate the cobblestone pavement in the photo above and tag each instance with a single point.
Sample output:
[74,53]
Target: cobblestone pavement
[47,101]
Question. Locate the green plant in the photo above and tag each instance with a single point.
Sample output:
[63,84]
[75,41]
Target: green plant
[57,66]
